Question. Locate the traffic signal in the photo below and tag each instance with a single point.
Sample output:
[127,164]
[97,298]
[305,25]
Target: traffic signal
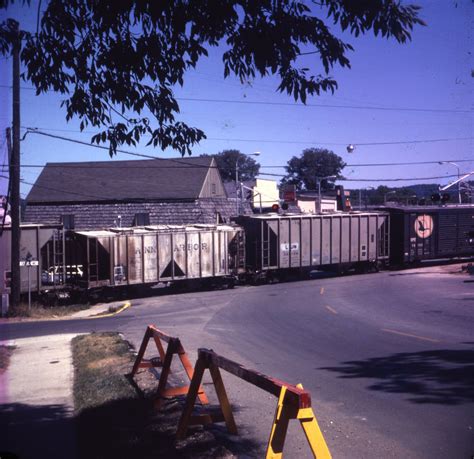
[435,197]
[275,207]
[446,197]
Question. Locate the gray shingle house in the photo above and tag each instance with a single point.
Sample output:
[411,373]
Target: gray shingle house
[94,195]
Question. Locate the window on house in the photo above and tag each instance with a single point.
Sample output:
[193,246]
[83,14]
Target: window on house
[142,219]
[68,221]
[213,188]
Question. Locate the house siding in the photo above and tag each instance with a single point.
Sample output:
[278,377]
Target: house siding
[104,215]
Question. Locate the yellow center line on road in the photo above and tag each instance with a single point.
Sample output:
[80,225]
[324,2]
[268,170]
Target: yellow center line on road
[321,292]
[331,310]
[423,338]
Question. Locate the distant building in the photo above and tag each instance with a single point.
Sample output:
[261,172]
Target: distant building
[4,211]
[94,195]
[308,202]
[258,193]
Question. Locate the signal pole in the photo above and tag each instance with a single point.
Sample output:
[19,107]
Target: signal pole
[15,174]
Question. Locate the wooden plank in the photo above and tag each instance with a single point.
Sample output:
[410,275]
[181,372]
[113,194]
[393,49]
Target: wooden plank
[190,400]
[299,397]
[165,371]
[160,334]
[223,400]
[141,352]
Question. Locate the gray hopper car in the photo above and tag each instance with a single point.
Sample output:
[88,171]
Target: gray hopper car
[154,254]
[42,248]
[310,242]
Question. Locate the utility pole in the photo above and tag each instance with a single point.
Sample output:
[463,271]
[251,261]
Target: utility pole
[15,174]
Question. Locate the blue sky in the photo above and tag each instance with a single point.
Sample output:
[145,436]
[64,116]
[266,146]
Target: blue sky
[393,102]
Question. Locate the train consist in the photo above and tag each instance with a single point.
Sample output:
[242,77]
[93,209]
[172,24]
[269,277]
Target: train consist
[256,248]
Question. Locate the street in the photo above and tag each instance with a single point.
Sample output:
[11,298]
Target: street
[387,357]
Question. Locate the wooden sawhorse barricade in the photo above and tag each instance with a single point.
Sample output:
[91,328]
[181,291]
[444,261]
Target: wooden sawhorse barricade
[164,361]
[293,403]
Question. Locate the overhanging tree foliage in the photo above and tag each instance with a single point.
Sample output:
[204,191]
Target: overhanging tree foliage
[117,62]
[229,160]
[313,165]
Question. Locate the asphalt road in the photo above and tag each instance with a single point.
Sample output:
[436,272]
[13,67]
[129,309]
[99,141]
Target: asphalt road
[388,357]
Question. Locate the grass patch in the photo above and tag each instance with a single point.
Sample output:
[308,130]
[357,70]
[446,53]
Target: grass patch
[39,311]
[100,360]
[115,420]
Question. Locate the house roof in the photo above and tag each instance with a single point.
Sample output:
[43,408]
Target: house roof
[139,180]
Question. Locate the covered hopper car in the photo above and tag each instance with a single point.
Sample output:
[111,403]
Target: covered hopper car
[279,244]
[156,254]
[42,253]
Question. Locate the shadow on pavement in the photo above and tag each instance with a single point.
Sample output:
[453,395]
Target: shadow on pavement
[438,376]
[132,428]
[37,431]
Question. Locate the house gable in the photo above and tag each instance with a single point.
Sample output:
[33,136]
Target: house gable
[213,187]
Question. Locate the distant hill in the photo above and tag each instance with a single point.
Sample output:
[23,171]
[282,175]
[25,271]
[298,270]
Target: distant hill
[404,195]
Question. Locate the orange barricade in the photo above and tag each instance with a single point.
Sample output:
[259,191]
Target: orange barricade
[293,403]
[164,360]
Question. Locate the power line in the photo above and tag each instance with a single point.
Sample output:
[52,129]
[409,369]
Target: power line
[352,107]
[301,142]
[294,142]
[288,104]
[268,174]
[411,163]
[179,161]
[83,195]
[128,166]
[399,179]
[35,131]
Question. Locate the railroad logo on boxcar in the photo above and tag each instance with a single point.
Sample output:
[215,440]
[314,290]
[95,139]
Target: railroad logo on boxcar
[424,226]
[189,247]
[285,247]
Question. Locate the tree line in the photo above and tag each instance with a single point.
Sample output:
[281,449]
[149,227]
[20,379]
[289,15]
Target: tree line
[316,165]
[304,171]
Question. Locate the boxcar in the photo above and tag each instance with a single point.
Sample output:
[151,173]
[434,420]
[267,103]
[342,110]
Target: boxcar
[338,240]
[431,232]
[44,245]
[154,254]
